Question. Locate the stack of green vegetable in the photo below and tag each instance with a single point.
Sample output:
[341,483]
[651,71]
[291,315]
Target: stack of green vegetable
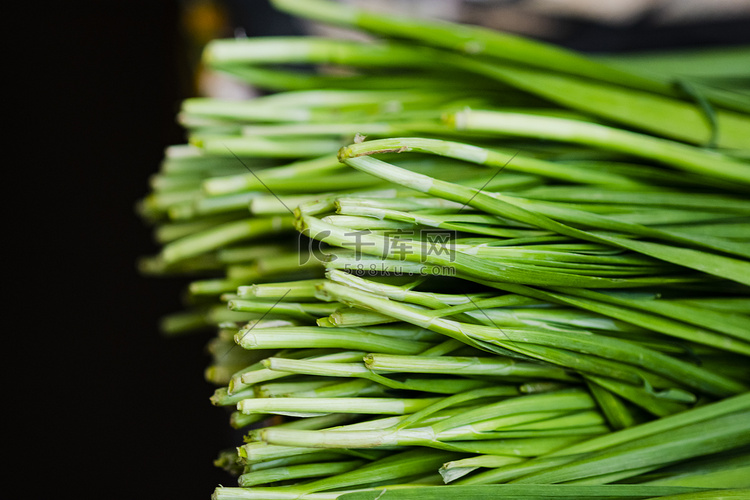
[450,261]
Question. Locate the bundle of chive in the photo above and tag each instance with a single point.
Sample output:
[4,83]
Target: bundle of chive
[449,261]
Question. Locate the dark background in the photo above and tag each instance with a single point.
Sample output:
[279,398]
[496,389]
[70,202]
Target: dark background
[115,409]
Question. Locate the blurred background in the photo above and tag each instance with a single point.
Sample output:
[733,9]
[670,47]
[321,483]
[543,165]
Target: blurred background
[129,414]
[593,26]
